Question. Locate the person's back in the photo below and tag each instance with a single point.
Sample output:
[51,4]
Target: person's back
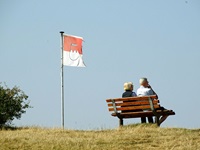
[143,91]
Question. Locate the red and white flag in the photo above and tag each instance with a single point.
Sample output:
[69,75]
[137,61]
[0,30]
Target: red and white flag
[72,51]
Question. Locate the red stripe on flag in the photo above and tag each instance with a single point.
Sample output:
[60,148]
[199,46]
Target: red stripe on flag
[72,43]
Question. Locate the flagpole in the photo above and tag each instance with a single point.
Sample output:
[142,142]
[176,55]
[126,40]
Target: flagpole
[62,83]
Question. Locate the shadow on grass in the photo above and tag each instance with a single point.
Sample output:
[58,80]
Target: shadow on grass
[9,127]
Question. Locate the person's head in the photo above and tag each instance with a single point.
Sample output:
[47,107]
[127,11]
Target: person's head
[128,86]
[144,82]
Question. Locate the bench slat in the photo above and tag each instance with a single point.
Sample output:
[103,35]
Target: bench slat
[143,107]
[133,103]
[132,98]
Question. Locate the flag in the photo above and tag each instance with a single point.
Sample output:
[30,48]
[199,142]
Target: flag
[72,51]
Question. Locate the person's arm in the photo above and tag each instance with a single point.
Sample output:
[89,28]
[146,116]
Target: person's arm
[154,93]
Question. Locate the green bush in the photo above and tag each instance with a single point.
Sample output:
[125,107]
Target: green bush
[13,103]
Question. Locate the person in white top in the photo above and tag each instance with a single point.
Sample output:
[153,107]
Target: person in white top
[143,90]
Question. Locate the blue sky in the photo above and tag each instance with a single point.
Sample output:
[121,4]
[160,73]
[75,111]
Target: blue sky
[124,40]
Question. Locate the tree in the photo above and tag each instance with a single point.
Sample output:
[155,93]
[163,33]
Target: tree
[13,103]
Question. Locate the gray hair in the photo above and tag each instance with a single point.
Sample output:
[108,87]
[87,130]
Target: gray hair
[128,85]
[142,80]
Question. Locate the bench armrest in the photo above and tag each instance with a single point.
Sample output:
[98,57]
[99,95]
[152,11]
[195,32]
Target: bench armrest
[152,107]
[114,106]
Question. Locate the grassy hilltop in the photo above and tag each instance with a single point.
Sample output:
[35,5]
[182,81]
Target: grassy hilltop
[131,137]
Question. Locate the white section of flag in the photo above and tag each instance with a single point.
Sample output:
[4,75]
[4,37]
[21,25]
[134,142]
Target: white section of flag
[73,59]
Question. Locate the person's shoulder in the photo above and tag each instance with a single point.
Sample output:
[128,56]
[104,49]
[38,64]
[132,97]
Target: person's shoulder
[123,94]
[138,90]
[134,94]
[141,87]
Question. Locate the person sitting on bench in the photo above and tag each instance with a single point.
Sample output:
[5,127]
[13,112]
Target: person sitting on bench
[144,90]
[128,88]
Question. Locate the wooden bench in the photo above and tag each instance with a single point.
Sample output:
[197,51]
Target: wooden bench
[137,107]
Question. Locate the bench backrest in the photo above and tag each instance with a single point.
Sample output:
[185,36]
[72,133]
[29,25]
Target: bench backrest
[119,105]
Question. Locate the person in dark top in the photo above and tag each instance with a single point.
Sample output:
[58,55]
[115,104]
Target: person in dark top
[128,88]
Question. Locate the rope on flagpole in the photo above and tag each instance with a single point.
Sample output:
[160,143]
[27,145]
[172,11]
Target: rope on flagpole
[62,83]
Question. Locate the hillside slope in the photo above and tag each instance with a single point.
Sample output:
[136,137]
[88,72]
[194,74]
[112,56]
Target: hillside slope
[131,137]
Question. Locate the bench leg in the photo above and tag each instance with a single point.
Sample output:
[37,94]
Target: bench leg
[121,122]
[163,118]
[157,120]
[160,120]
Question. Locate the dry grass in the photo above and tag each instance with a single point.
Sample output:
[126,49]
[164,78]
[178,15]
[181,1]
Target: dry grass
[135,137]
